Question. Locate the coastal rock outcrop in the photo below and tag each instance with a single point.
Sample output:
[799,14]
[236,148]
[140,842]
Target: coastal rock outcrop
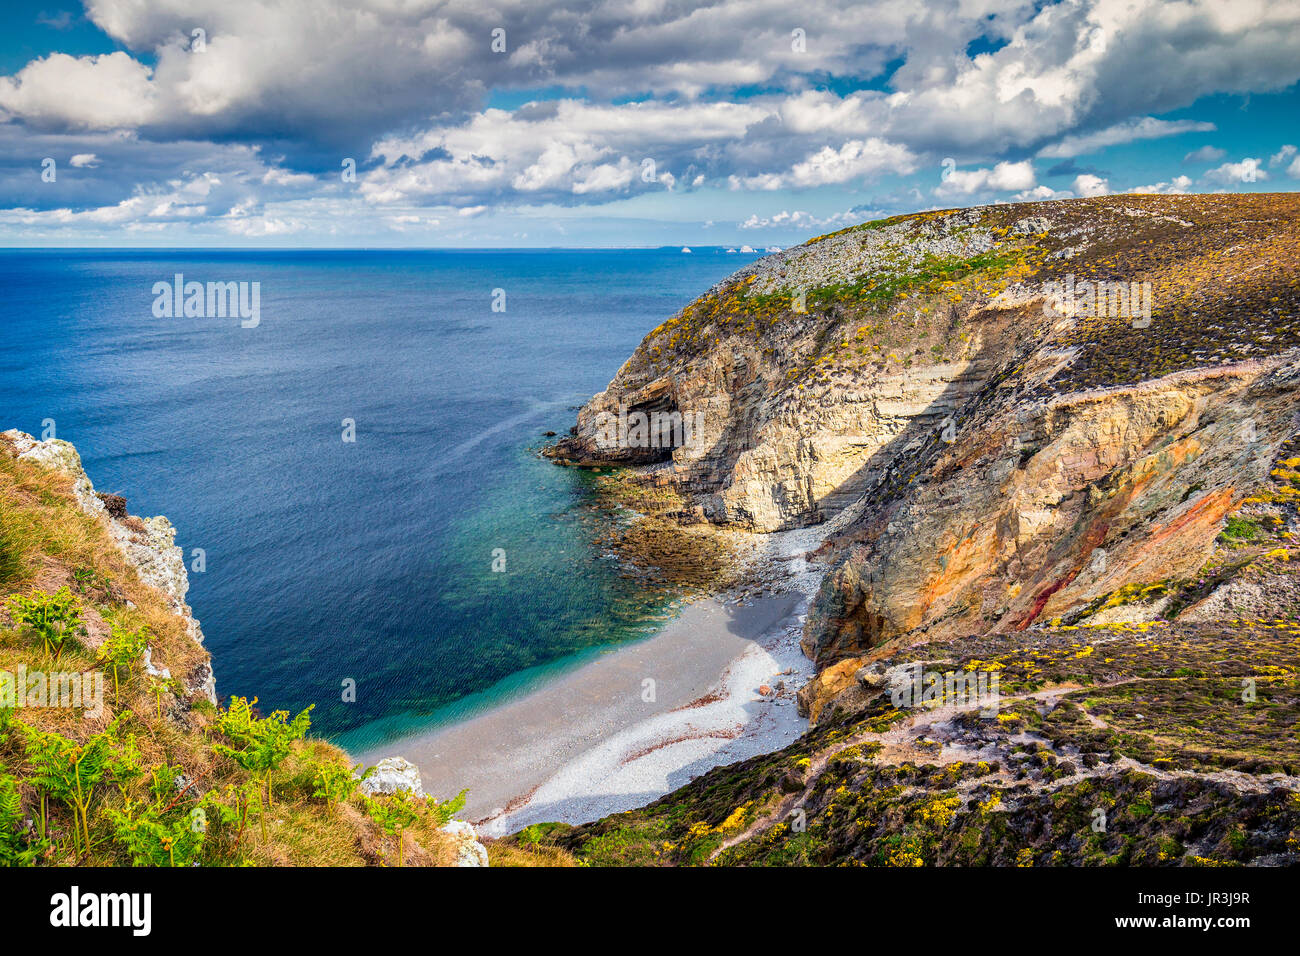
[1048,506]
[392,775]
[469,852]
[1006,416]
[397,775]
[149,544]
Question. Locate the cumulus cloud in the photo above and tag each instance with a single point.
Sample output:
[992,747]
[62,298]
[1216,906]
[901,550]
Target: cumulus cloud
[88,92]
[1246,171]
[407,88]
[1087,186]
[562,150]
[1042,193]
[1174,187]
[802,220]
[855,159]
[1002,177]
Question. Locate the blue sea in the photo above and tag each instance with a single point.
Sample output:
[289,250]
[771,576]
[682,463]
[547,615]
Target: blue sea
[367,561]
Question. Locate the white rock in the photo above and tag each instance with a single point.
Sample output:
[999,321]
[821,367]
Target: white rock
[393,774]
[163,672]
[469,852]
[460,828]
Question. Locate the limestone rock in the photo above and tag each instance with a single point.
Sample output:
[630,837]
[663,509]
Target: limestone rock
[393,774]
[469,852]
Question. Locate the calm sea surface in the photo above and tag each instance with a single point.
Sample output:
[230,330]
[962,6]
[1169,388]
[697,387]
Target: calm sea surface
[370,561]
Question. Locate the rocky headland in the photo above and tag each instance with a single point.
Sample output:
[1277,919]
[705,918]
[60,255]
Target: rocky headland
[1051,443]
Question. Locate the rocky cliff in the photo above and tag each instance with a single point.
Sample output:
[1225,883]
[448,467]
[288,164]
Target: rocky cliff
[1053,442]
[147,544]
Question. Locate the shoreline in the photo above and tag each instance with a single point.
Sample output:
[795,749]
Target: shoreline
[642,719]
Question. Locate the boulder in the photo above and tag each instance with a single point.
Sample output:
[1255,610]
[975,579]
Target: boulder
[469,852]
[393,774]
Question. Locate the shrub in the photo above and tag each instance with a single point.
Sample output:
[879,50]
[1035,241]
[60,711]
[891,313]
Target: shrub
[122,650]
[54,617]
[265,741]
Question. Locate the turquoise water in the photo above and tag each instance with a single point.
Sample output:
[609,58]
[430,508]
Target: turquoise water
[369,561]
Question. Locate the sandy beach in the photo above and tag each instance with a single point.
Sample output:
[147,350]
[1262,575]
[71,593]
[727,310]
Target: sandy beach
[638,721]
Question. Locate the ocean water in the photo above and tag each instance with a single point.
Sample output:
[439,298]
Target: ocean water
[368,561]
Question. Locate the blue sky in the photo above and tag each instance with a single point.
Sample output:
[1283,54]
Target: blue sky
[618,122]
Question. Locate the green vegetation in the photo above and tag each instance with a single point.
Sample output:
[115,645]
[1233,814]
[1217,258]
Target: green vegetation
[55,618]
[1239,529]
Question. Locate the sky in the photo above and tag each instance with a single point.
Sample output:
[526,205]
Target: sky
[480,123]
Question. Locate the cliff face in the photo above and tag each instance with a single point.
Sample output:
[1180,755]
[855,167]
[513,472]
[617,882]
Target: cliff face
[1037,434]
[147,544]
[801,384]
[1006,414]
[1052,504]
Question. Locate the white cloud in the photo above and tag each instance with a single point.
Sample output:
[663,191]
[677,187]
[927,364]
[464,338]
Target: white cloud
[1087,185]
[1042,193]
[1206,154]
[558,149]
[89,92]
[855,159]
[798,219]
[84,161]
[1174,187]
[1001,178]
[1147,127]
[283,177]
[1246,171]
